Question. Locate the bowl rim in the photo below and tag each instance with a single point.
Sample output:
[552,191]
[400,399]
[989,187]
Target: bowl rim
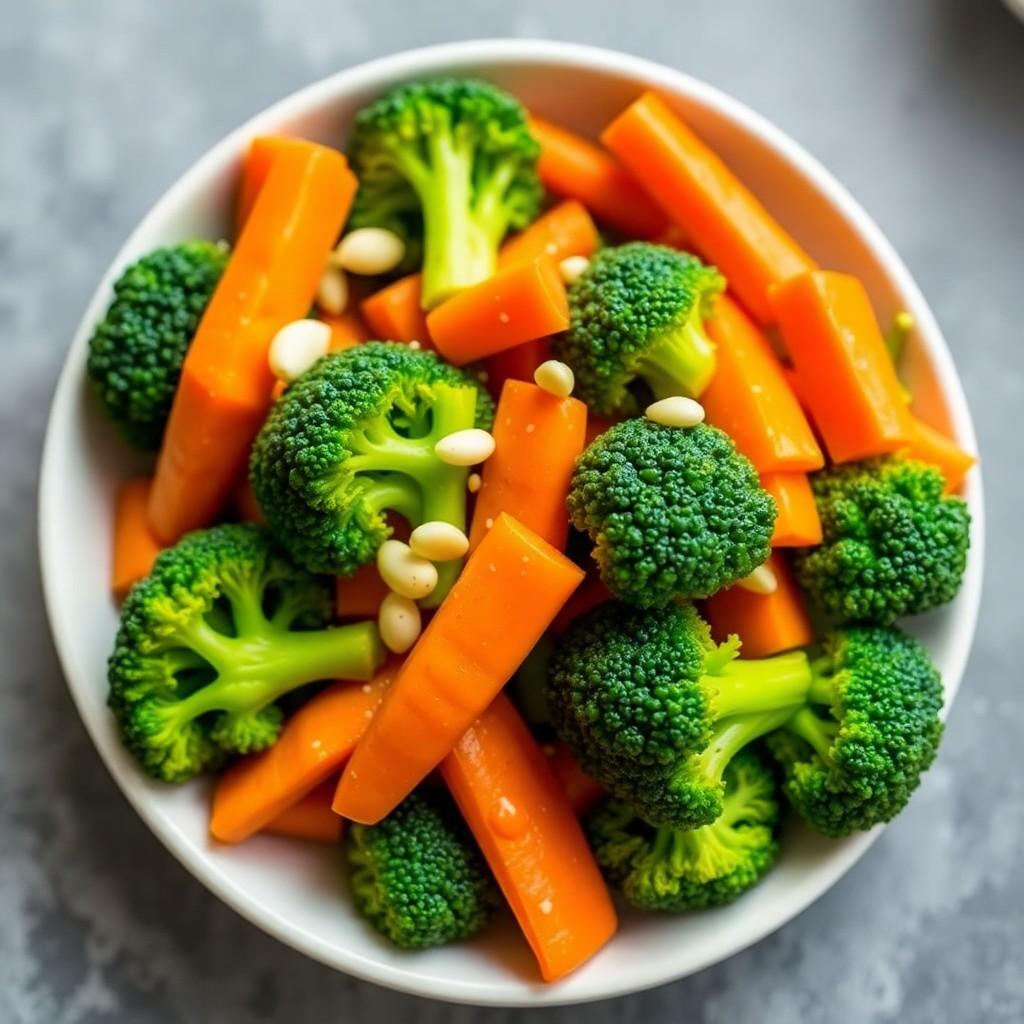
[425,61]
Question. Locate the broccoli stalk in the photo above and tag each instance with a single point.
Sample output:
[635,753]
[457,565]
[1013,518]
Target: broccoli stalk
[681,360]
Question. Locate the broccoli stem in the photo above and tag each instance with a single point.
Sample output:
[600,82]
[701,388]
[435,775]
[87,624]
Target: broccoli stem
[815,731]
[682,361]
[732,735]
[743,687]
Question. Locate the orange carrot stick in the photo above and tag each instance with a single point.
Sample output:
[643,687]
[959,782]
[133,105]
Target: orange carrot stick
[597,425]
[933,447]
[565,230]
[797,525]
[750,399]
[347,329]
[843,365]
[262,152]
[766,623]
[509,591]
[520,303]
[537,438]
[529,835]
[135,547]
[310,817]
[394,312]
[590,595]
[313,745]
[573,166]
[725,220]
[246,507]
[516,363]
[584,793]
[360,596]
[225,387]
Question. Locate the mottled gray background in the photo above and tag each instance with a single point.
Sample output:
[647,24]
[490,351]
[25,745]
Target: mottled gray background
[917,105]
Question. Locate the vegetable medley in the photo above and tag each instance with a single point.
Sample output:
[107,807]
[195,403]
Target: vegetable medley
[530,516]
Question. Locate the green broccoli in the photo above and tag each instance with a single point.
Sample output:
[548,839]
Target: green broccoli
[636,314]
[418,877]
[221,629]
[352,439]
[689,869]
[671,512]
[451,161]
[893,545]
[136,351]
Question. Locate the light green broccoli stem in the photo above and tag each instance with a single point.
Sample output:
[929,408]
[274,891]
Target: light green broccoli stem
[681,361]
[732,735]
[759,685]
[898,334]
[817,732]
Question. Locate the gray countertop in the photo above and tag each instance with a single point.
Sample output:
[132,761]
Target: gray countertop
[915,105]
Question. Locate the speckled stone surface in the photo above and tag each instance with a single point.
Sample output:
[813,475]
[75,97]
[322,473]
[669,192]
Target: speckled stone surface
[916,106]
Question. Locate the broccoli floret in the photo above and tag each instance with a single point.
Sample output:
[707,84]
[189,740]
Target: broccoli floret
[220,630]
[893,543]
[451,161]
[417,876]
[136,351]
[689,869]
[636,314]
[671,512]
[655,710]
[855,754]
[352,439]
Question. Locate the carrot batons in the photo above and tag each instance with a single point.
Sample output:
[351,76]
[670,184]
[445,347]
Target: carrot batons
[538,437]
[573,166]
[516,363]
[528,832]
[226,384]
[360,596]
[565,230]
[347,329]
[520,303]
[310,817]
[584,793]
[933,447]
[590,595]
[797,525]
[394,312]
[726,221]
[509,591]
[847,376]
[262,152]
[135,547]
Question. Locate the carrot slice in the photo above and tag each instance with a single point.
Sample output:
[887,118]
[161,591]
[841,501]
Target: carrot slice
[509,591]
[226,384]
[347,329]
[135,547]
[520,303]
[844,368]
[597,425]
[394,312]
[797,525]
[933,447]
[313,745]
[573,166]
[590,595]
[537,438]
[529,834]
[766,623]
[584,793]
[750,399]
[516,363]
[310,817]
[565,230]
[262,152]
[360,596]
[725,220]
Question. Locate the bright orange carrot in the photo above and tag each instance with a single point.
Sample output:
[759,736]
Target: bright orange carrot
[262,152]
[933,447]
[520,303]
[394,312]
[750,399]
[529,834]
[725,220]
[844,368]
[225,387]
[766,623]
[509,591]
[537,439]
[573,166]
[359,596]
[798,524]
[246,507]
[516,363]
[590,595]
[135,547]
[310,817]
[597,425]
[584,793]
[347,329]
[313,745]
[565,230]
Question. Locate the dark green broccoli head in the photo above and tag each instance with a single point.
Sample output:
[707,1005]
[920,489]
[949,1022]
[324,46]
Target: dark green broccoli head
[452,162]
[893,545]
[220,630]
[654,710]
[689,869]
[636,314]
[353,439]
[671,512]
[854,755]
[417,876]
[136,351]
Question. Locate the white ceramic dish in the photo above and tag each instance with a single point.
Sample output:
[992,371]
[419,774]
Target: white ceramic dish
[293,891]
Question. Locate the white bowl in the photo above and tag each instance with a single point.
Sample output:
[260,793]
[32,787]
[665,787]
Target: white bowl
[295,891]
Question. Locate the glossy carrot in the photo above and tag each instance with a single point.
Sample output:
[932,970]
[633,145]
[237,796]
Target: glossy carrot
[726,221]
[313,745]
[584,793]
[592,593]
[516,363]
[573,166]
[394,312]
[529,834]
[360,596]
[520,303]
[509,591]
[565,230]
[933,447]
[797,524]
[310,817]
[262,152]
[347,329]
[847,377]
[597,425]
[766,623]
[751,400]
[135,547]
[537,438]
[226,384]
